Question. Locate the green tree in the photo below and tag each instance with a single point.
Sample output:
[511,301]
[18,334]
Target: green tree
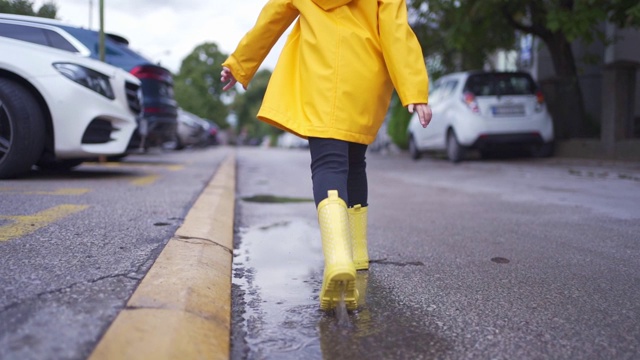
[24,7]
[452,29]
[247,104]
[558,24]
[197,86]
[48,10]
[454,38]
[399,119]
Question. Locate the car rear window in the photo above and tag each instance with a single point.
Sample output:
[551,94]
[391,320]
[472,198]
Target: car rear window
[497,84]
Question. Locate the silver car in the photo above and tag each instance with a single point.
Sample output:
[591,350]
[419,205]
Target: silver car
[489,111]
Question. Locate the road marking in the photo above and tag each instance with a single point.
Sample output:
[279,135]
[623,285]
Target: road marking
[175,167]
[61,192]
[142,180]
[171,167]
[64,192]
[145,180]
[22,225]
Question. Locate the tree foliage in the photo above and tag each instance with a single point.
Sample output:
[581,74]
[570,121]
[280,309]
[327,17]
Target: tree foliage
[458,35]
[455,36]
[24,7]
[197,86]
[399,119]
[247,104]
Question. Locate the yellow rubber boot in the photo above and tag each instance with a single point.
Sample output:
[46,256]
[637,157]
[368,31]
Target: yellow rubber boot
[339,272]
[358,227]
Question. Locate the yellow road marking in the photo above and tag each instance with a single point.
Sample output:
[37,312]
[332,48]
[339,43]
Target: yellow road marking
[63,191]
[171,167]
[69,191]
[145,180]
[175,167]
[26,224]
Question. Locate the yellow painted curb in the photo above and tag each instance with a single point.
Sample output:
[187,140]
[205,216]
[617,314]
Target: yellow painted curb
[182,308]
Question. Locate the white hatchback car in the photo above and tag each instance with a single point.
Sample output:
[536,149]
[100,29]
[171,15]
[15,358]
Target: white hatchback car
[487,111]
[58,108]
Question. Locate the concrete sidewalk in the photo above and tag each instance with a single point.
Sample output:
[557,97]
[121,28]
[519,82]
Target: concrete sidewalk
[182,307]
[593,149]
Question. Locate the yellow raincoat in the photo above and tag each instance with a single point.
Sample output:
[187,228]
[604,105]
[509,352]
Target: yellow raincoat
[338,67]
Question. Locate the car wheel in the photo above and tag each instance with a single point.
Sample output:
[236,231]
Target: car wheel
[455,151]
[21,129]
[178,144]
[413,149]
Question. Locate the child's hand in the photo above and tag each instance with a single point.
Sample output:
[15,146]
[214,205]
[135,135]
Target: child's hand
[227,77]
[424,113]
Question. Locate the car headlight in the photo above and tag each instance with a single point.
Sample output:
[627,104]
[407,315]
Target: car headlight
[91,79]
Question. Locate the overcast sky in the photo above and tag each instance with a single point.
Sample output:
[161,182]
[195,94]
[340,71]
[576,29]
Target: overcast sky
[168,30]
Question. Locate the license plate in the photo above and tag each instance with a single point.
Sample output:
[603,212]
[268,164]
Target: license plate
[508,110]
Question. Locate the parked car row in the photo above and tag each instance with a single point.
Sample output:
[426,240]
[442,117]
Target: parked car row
[194,131]
[289,141]
[55,66]
[57,108]
[158,121]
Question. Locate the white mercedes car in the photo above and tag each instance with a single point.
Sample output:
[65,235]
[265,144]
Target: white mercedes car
[491,112]
[59,108]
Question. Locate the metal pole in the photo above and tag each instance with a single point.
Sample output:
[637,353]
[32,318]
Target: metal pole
[90,14]
[101,30]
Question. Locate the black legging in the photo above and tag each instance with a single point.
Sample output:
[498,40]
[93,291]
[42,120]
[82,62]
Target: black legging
[339,165]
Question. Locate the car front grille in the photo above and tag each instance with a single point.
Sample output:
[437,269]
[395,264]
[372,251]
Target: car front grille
[133,97]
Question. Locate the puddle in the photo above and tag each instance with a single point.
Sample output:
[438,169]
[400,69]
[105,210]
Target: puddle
[277,275]
[282,297]
[272,199]
[500,260]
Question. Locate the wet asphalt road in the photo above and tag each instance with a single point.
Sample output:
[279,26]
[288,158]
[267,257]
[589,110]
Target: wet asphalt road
[501,259]
[101,227]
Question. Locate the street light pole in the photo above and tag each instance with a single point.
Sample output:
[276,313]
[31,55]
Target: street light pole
[90,14]
[101,30]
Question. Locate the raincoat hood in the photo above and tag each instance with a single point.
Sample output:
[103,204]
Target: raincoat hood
[330,4]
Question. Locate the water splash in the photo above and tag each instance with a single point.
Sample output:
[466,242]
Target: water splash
[342,315]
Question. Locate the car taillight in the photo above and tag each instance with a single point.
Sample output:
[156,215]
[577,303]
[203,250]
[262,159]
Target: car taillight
[151,72]
[539,101]
[152,110]
[470,99]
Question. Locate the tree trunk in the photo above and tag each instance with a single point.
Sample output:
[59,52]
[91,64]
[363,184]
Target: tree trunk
[567,102]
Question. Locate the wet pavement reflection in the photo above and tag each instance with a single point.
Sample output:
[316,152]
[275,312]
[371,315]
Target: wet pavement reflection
[277,277]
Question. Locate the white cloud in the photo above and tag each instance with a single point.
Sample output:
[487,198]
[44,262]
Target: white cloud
[166,31]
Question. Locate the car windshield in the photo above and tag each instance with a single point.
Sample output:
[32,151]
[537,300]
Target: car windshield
[498,84]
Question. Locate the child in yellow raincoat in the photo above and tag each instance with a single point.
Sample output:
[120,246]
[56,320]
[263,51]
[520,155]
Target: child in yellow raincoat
[332,85]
